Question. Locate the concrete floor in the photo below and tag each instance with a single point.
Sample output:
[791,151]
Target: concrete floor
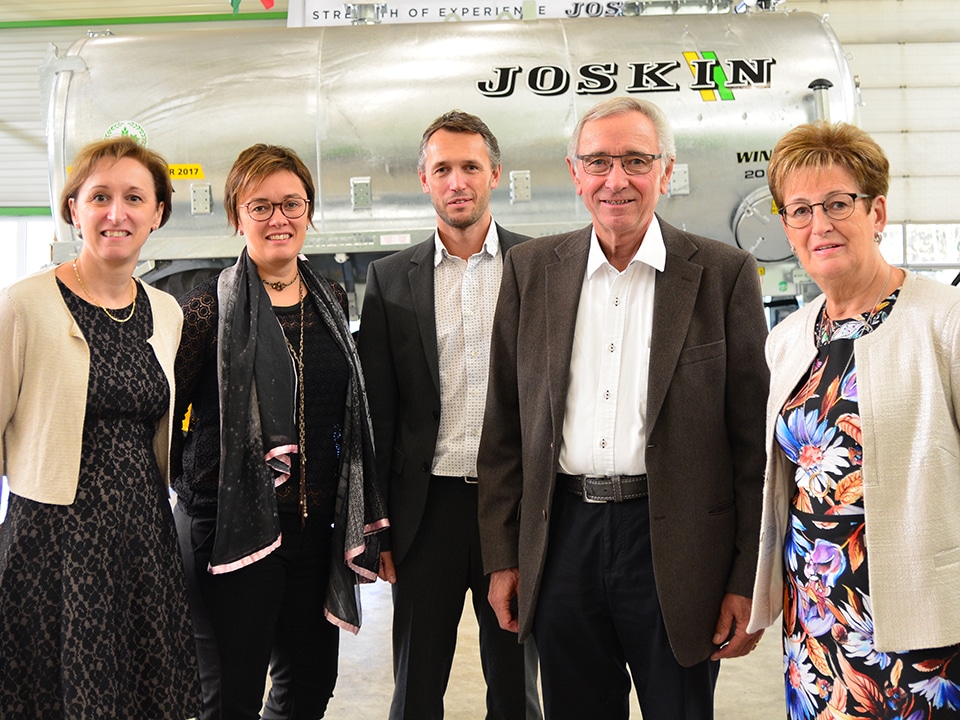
[749,688]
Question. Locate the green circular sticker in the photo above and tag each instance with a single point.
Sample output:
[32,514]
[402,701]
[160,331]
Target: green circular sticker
[127,128]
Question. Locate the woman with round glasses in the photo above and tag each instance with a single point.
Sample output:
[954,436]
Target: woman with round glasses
[277,504]
[860,544]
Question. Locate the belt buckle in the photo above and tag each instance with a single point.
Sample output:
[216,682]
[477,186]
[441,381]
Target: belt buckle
[585,496]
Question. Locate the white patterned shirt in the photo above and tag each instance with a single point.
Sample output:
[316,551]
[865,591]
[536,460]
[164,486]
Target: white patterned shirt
[465,297]
[604,426]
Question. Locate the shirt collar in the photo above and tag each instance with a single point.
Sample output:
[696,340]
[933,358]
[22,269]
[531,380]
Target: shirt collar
[491,245]
[651,252]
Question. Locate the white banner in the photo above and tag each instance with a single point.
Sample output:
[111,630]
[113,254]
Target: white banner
[315,13]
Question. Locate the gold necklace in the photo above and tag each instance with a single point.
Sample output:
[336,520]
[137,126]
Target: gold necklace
[301,402]
[96,302]
[279,285]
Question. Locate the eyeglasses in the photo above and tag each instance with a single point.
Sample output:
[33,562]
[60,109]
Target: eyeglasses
[632,163]
[838,206]
[261,210]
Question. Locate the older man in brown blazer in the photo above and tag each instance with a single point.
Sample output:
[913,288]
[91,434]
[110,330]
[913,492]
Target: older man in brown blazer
[621,461]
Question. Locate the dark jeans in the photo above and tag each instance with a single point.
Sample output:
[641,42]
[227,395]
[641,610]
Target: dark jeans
[598,614]
[268,612]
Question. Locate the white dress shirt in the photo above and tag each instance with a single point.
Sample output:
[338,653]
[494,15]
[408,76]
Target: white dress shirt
[465,297]
[604,426]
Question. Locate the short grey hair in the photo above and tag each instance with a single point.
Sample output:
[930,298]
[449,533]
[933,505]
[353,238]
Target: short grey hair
[622,106]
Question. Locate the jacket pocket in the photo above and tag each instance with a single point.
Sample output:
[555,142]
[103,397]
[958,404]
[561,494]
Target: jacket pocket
[721,507]
[699,353]
[946,557]
[397,460]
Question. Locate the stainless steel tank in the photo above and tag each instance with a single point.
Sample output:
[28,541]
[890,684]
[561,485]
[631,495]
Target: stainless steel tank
[353,102]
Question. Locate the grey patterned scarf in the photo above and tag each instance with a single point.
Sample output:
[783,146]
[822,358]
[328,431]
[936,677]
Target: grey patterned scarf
[257,382]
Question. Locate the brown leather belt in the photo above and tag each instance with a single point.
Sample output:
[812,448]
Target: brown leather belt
[610,488]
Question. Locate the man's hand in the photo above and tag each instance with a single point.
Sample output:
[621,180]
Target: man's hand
[387,571]
[731,633]
[501,596]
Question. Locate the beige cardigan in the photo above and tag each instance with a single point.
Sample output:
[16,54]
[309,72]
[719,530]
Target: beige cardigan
[908,379]
[44,364]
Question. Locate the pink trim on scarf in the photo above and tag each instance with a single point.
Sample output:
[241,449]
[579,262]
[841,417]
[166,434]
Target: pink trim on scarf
[342,624]
[373,527]
[283,452]
[349,555]
[365,575]
[244,561]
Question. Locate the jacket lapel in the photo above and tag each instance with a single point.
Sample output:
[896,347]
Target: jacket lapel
[564,280]
[674,298]
[421,281]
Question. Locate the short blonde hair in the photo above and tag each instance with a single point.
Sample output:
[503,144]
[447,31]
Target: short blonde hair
[821,146]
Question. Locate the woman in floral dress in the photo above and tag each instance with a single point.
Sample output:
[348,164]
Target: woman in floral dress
[860,546]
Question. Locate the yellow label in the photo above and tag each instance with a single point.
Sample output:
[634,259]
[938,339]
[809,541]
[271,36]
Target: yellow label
[186,172]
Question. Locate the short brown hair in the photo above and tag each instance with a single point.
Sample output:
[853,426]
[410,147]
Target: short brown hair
[116,149]
[459,121]
[256,164]
[821,146]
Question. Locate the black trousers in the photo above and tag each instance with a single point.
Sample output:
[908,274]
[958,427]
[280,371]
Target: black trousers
[268,612]
[428,599]
[598,621]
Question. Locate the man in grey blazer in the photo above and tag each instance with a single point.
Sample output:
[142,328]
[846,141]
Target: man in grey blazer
[424,343]
[621,461]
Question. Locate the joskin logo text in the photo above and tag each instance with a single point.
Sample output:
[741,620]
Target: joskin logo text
[712,78]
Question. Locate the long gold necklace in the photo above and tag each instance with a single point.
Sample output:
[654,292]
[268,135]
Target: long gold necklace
[96,302]
[301,402]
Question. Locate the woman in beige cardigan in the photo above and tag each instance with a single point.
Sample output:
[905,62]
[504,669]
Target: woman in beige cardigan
[93,613]
[860,544]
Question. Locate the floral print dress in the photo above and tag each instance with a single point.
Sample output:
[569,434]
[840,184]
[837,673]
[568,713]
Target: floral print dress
[832,668]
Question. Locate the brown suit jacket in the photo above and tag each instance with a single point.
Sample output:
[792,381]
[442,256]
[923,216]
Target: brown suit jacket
[707,389]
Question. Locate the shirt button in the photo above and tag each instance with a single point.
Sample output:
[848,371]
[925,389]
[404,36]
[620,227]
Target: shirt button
[603,443]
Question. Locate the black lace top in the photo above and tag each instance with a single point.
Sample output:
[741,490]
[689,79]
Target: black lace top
[195,456]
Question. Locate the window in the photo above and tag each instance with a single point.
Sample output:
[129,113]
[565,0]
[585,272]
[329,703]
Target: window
[24,246]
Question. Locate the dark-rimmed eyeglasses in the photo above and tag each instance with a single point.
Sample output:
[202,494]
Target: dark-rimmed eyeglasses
[261,210]
[838,206]
[632,163]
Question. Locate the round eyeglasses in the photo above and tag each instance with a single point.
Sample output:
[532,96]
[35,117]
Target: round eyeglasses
[261,210]
[632,163]
[838,206]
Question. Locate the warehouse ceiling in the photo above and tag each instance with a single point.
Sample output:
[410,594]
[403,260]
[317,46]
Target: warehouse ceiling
[854,20]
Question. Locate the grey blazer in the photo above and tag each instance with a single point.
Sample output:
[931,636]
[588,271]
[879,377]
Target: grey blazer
[401,366]
[707,387]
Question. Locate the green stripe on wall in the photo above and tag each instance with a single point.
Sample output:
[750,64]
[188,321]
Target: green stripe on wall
[147,20]
[25,211]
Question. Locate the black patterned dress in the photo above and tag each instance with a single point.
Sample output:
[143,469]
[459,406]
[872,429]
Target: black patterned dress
[832,667]
[93,613]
